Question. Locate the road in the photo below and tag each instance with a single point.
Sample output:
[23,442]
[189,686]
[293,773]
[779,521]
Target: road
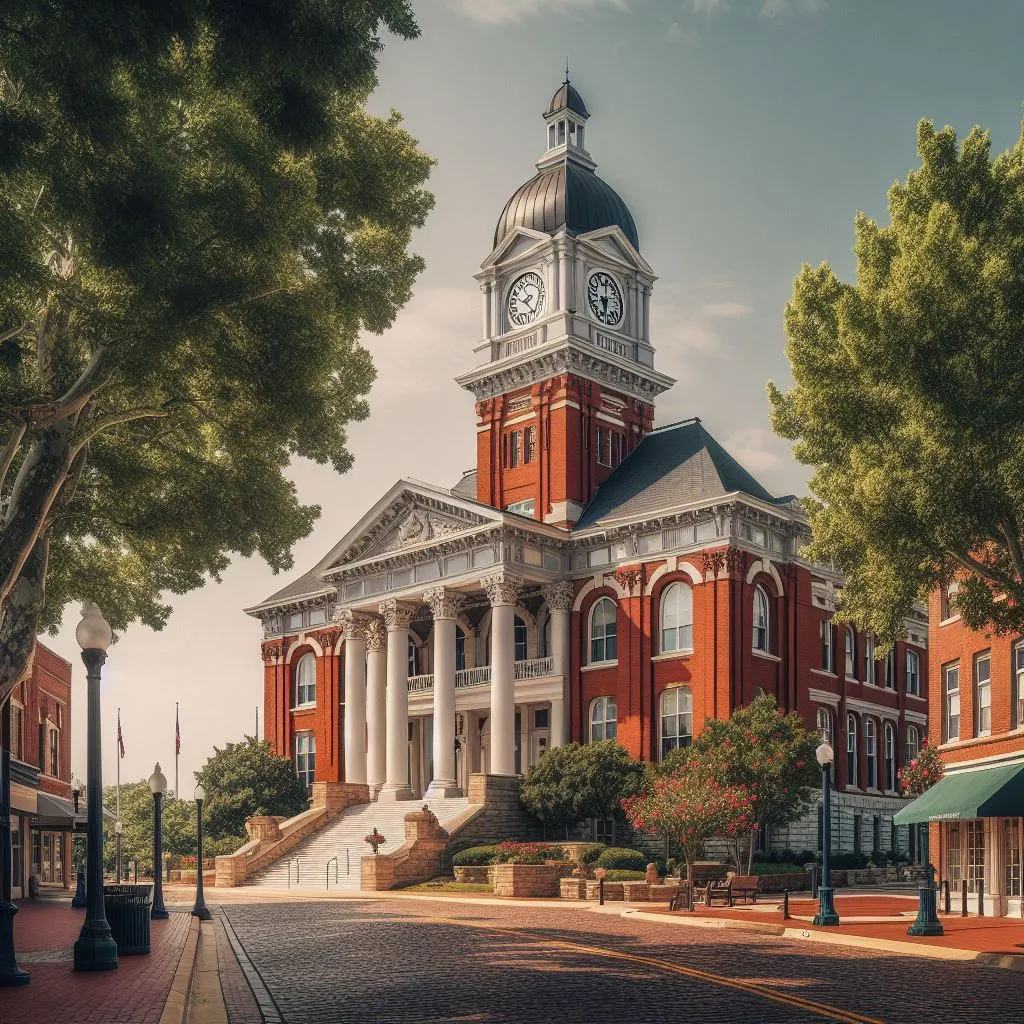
[403,960]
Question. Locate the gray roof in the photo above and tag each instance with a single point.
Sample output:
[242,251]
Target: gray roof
[466,487]
[305,586]
[566,195]
[567,98]
[672,466]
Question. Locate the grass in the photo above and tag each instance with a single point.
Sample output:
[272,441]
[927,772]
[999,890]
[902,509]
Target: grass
[443,884]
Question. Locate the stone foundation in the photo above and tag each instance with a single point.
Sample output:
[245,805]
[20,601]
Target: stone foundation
[529,880]
[418,859]
[477,873]
[502,816]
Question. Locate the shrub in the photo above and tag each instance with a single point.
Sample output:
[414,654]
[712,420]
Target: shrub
[672,866]
[474,856]
[526,853]
[588,853]
[775,868]
[622,875]
[848,861]
[619,858]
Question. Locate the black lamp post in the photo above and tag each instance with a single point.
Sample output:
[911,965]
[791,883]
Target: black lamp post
[158,786]
[826,894]
[95,949]
[78,900]
[200,909]
[10,972]
[118,829]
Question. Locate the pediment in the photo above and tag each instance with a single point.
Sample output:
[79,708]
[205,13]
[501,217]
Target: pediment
[611,242]
[518,243]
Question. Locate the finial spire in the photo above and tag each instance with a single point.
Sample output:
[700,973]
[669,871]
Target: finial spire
[566,70]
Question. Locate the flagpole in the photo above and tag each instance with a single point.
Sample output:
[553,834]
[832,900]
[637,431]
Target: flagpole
[177,750]
[119,766]
[257,723]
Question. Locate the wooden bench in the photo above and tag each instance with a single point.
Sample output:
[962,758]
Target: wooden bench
[718,891]
[744,887]
[681,897]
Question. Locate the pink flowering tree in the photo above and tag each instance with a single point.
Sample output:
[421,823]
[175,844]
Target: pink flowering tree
[923,771]
[689,807]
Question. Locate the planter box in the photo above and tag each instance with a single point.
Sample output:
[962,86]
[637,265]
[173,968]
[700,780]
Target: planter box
[534,880]
[573,888]
[663,892]
[479,873]
[792,881]
[612,890]
[635,892]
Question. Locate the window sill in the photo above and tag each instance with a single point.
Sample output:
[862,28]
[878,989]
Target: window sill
[854,789]
[824,672]
[916,696]
[672,655]
[952,618]
[598,665]
[765,655]
[304,707]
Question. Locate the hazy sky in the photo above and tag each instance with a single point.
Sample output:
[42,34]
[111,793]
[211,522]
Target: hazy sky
[743,135]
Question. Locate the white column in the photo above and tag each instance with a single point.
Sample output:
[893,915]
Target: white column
[397,617]
[445,605]
[353,625]
[502,589]
[559,598]
[376,704]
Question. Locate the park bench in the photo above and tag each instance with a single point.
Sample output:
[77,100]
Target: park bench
[680,898]
[744,887]
[719,891]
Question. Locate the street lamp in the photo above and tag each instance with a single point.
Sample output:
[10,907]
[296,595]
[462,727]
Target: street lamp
[826,906]
[118,829]
[200,909]
[158,786]
[78,901]
[95,949]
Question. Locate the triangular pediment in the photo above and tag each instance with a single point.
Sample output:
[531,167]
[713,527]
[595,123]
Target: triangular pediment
[612,242]
[517,243]
[409,516]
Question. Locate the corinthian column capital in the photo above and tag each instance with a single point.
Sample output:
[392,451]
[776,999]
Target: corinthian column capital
[353,624]
[376,636]
[444,603]
[396,614]
[502,587]
[559,596]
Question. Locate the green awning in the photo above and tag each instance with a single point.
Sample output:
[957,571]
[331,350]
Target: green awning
[980,793]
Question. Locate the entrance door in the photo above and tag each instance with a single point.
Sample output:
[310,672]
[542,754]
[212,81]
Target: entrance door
[540,740]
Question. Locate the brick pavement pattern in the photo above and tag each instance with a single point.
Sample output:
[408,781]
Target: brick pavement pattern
[45,932]
[405,961]
[238,998]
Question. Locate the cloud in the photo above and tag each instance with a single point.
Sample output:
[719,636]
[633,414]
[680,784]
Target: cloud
[678,34]
[497,12]
[758,449]
[725,310]
[709,7]
[777,8]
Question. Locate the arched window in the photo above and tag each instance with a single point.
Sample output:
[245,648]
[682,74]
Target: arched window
[871,752]
[947,603]
[851,750]
[305,680]
[828,656]
[851,654]
[762,620]
[869,660]
[913,744]
[677,618]
[602,631]
[823,723]
[520,639]
[603,719]
[460,649]
[676,719]
[890,757]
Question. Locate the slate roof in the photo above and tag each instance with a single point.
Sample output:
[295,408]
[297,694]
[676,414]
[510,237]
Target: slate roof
[306,585]
[567,97]
[672,466]
[466,487]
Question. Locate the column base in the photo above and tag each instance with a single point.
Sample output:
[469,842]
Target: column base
[10,973]
[440,788]
[389,794]
[826,915]
[95,949]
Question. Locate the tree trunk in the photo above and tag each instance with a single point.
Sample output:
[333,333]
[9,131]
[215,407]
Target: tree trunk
[750,851]
[20,614]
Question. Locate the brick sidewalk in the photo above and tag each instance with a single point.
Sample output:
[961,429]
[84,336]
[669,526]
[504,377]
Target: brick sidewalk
[45,932]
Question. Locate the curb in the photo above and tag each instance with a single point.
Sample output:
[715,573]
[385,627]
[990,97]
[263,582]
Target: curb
[176,1004]
[1001,960]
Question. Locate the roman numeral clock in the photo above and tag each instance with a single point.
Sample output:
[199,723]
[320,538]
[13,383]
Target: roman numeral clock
[604,298]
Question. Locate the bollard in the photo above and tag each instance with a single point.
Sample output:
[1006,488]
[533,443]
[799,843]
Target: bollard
[927,922]
[600,892]
[785,905]
[981,897]
[945,895]
[963,898]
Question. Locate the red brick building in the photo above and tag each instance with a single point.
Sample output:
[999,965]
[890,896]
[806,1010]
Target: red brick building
[42,808]
[593,577]
[976,813]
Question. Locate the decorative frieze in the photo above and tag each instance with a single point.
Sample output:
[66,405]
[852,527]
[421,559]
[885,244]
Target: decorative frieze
[444,603]
[559,596]
[502,587]
[397,615]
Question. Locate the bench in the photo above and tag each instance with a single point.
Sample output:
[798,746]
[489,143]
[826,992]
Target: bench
[744,887]
[718,891]
[681,897]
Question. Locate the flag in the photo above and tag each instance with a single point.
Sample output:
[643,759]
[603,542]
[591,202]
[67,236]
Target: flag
[177,734]
[120,738]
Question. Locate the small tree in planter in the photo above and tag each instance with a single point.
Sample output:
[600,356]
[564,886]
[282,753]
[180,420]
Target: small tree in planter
[690,806]
[375,839]
[923,771]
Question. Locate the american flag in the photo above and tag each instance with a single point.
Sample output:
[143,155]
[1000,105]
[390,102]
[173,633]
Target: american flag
[177,733]
[120,738]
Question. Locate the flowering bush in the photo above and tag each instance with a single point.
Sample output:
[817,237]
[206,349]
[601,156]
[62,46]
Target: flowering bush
[526,853]
[923,772]
[374,839]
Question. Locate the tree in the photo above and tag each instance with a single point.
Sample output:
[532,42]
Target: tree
[578,781]
[197,220]
[923,772]
[245,779]
[179,825]
[690,806]
[909,393]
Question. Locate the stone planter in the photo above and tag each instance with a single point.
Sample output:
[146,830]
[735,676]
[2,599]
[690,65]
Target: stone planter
[530,880]
[478,873]
[612,890]
[573,888]
[634,892]
[791,881]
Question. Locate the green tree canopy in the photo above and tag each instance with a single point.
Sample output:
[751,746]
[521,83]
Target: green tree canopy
[909,393]
[244,779]
[198,218]
[179,825]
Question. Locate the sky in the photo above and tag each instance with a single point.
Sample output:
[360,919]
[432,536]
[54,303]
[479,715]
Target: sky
[743,134]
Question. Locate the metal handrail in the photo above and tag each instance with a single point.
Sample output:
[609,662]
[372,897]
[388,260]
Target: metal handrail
[335,860]
[296,862]
[348,863]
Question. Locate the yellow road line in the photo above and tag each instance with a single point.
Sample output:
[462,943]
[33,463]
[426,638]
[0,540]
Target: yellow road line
[751,988]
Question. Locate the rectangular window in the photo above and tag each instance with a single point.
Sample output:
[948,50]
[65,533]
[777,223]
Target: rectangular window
[827,656]
[950,702]
[890,671]
[305,757]
[1011,855]
[983,695]
[515,454]
[551,136]
[913,674]
[531,444]
[1017,690]
[540,718]
[17,722]
[869,660]
[55,753]
[871,753]
[599,447]
[975,854]
[561,133]
[524,508]
[954,858]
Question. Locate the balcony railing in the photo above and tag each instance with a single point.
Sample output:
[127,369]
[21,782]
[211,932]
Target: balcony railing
[531,668]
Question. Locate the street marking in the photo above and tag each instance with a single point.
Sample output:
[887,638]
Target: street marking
[833,1013]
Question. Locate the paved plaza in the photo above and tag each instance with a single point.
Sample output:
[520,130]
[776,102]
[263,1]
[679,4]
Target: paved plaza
[410,960]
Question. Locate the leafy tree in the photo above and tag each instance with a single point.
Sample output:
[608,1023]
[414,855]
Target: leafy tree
[245,779]
[691,806]
[923,771]
[909,393]
[179,826]
[197,220]
[577,781]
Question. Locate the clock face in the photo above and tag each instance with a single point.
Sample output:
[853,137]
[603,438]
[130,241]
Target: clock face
[526,299]
[604,298]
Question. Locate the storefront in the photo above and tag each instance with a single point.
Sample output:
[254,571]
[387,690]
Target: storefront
[978,813]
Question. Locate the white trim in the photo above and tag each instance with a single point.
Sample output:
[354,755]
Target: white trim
[766,565]
[673,655]
[303,641]
[565,403]
[875,710]
[915,716]
[303,707]
[824,697]
[765,655]
[957,767]
[952,618]
[608,418]
[593,584]
[595,666]
[524,418]
[823,672]
[674,564]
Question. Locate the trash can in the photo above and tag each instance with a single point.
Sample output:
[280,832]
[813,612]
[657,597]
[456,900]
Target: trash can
[128,908]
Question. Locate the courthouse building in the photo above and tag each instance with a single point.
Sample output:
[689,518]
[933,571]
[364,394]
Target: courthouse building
[593,577]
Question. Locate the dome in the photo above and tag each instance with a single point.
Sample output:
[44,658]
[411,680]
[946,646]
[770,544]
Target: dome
[567,98]
[566,194]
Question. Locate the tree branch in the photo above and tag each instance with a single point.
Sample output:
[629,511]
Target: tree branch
[77,396]
[115,419]
[10,451]
[12,333]
[986,572]
[1013,547]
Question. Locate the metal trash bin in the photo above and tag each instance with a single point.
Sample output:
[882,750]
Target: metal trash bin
[128,908]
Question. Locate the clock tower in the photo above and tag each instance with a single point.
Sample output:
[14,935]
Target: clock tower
[564,378]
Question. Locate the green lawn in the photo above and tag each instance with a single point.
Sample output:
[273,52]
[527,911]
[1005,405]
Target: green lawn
[449,885]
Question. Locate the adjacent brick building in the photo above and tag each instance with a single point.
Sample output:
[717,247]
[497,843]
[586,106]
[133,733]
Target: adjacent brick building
[593,577]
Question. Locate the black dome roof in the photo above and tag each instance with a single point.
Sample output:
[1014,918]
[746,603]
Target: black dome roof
[570,195]
[567,97]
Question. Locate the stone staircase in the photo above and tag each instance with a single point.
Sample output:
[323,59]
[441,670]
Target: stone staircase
[305,868]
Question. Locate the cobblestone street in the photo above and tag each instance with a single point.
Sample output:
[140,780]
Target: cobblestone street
[406,960]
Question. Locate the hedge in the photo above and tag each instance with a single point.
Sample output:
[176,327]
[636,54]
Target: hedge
[474,856]
[623,859]
[622,875]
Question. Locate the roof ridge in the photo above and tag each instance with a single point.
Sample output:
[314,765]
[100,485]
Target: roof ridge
[678,423]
